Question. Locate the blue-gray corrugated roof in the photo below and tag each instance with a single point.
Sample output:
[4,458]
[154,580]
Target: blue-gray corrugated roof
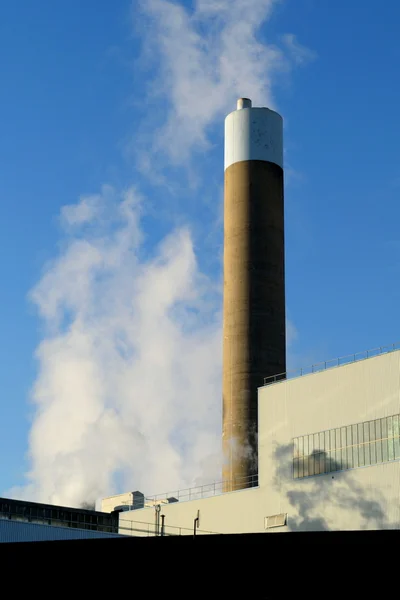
[19,531]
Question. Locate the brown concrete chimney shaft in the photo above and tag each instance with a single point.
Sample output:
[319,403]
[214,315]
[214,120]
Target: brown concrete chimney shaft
[254,280]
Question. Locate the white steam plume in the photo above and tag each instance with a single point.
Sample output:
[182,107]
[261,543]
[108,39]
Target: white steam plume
[206,59]
[129,369]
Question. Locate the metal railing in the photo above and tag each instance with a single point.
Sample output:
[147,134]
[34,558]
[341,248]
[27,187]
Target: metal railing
[203,491]
[145,529]
[330,364]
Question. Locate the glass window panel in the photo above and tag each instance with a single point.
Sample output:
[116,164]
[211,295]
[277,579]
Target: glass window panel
[344,447]
[367,453]
[317,453]
[355,445]
[327,441]
[295,458]
[372,437]
[296,468]
[311,460]
[384,440]
[331,446]
[378,434]
[360,429]
[295,448]
[322,458]
[327,451]
[341,454]
[390,426]
[396,440]
[349,439]
[390,438]
[332,454]
[338,454]
[305,442]
[301,454]
[322,453]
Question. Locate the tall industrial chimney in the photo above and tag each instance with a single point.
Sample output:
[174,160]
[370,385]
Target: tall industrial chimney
[254,280]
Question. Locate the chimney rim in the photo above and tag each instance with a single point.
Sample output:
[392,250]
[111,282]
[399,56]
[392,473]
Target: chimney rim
[243,103]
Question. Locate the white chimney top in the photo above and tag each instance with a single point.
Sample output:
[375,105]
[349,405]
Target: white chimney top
[243,103]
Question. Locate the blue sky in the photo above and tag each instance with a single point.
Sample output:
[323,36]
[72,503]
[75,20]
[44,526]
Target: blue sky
[85,103]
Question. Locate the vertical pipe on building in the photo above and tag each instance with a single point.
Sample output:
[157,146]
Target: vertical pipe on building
[162,525]
[254,279]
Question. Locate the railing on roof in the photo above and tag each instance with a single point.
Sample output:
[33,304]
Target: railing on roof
[140,529]
[203,491]
[330,364]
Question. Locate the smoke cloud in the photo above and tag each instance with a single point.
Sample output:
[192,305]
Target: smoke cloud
[206,59]
[128,391]
[129,368]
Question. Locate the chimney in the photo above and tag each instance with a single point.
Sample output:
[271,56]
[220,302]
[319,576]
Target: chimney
[254,280]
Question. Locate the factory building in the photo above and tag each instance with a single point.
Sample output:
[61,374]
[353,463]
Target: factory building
[319,451]
[328,455]
[22,521]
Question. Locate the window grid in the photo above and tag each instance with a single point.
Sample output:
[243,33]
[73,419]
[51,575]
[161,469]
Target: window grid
[359,445]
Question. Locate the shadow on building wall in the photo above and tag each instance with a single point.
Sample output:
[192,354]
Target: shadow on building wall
[314,498]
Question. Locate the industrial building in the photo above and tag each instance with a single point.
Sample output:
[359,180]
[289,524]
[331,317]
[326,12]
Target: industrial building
[329,450]
[22,521]
[311,451]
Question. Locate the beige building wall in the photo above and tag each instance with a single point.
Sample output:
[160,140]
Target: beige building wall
[234,511]
[359,498]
